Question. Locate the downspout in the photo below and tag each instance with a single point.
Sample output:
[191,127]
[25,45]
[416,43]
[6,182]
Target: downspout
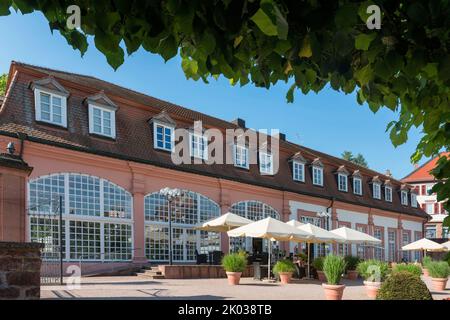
[21,136]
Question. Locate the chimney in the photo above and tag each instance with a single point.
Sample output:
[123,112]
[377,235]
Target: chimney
[388,173]
[416,165]
[282,137]
[239,122]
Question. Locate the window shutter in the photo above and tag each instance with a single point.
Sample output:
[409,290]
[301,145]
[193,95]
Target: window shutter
[424,190]
[424,206]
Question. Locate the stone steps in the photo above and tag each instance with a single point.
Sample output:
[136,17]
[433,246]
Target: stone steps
[150,273]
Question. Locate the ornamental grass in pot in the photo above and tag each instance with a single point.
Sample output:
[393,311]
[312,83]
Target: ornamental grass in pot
[408,267]
[334,267]
[284,269]
[318,265]
[374,273]
[234,264]
[439,272]
[351,263]
[425,261]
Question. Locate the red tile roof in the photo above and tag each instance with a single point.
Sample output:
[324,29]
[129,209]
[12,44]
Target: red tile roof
[422,173]
[134,138]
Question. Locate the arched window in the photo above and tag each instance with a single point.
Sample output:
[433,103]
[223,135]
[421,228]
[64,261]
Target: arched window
[188,211]
[96,213]
[253,210]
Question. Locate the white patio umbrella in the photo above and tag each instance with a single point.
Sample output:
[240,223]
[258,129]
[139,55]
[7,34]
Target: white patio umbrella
[271,229]
[447,245]
[224,223]
[351,236]
[317,235]
[425,245]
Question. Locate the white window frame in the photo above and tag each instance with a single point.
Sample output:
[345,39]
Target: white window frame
[345,177]
[413,200]
[404,197]
[172,138]
[298,167]
[376,186]
[360,186]
[197,154]
[320,170]
[265,156]
[245,165]
[102,109]
[388,191]
[37,101]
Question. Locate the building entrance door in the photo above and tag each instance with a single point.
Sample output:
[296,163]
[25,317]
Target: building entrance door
[257,245]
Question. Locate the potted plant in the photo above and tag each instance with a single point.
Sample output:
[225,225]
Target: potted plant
[425,261]
[334,267]
[318,265]
[374,272]
[234,264]
[439,272]
[351,263]
[408,267]
[284,268]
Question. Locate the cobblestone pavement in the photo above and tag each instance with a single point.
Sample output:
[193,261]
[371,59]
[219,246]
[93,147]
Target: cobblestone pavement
[200,289]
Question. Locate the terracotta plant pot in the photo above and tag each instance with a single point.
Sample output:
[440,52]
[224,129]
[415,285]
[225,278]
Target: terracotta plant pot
[352,274]
[321,276]
[372,288]
[333,291]
[234,278]
[439,284]
[425,272]
[285,277]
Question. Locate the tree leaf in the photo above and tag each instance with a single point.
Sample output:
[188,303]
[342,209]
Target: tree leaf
[305,51]
[363,41]
[264,23]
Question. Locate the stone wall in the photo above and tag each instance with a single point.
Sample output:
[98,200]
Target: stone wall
[20,268]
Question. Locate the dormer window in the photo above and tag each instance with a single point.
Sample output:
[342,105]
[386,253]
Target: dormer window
[241,156]
[50,101]
[199,146]
[357,185]
[265,163]
[163,132]
[102,115]
[388,193]
[298,171]
[404,197]
[413,200]
[317,172]
[376,190]
[342,182]
[342,179]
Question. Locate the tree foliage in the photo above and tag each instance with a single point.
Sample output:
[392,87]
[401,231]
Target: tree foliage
[404,66]
[3,79]
[358,159]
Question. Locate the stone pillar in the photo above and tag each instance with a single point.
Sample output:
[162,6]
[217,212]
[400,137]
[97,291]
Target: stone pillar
[139,220]
[370,227]
[400,238]
[224,239]
[13,178]
[334,225]
[20,268]
[286,212]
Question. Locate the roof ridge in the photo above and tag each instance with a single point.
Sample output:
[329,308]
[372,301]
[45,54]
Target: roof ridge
[425,163]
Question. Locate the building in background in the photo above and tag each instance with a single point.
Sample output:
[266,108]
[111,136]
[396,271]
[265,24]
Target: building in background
[100,153]
[422,181]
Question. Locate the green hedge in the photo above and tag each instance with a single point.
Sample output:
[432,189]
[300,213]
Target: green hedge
[411,268]
[403,286]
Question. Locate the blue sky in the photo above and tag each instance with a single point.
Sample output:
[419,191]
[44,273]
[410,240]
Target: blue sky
[330,122]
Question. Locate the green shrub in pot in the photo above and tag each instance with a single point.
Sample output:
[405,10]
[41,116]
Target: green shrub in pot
[439,269]
[234,262]
[373,270]
[318,263]
[408,267]
[334,267]
[283,266]
[351,262]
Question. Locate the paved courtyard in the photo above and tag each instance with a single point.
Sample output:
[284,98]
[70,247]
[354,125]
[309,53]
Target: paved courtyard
[201,289]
